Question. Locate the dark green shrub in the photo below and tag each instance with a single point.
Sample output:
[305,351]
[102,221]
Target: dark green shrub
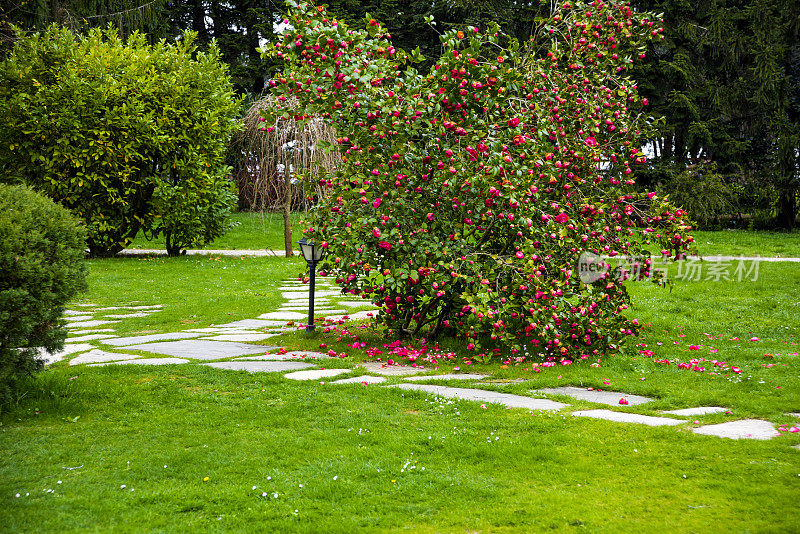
[127,135]
[701,191]
[41,268]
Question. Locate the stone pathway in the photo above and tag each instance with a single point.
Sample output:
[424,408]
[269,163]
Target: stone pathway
[229,344]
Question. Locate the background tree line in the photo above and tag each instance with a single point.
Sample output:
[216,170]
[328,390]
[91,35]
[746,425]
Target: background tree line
[726,80]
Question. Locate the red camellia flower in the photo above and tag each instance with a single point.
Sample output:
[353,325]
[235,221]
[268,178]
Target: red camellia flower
[385,245]
[590,141]
[513,122]
[561,218]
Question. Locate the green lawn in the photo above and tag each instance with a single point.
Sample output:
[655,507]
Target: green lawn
[251,231]
[352,448]
[748,243]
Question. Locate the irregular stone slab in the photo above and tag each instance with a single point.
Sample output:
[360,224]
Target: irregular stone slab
[73,318]
[120,341]
[86,305]
[743,429]
[241,337]
[622,417]
[260,367]
[285,316]
[199,349]
[144,361]
[90,331]
[602,397]
[69,348]
[222,330]
[85,324]
[445,377]
[357,316]
[153,307]
[289,295]
[481,395]
[128,315]
[315,374]
[97,356]
[294,355]
[796,447]
[252,323]
[794,414]
[90,337]
[391,370]
[74,312]
[701,410]
[355,303]
[363,379]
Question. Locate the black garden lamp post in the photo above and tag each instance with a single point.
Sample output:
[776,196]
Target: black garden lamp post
[312,254]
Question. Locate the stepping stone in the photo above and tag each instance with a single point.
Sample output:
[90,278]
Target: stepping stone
[391,370]
[128,315]
[199,349]
[364,379]
[285,316]
[241,337]
[74,312]
[87,305]
[144,361]
[257,323]
[222,330]
[743,429]
[357,316]
[97,356]
[74,318]
[90,331]
[622,417]
[796,447]
[289,295]
[315,374]
[446,377]
[120,341]
[602,397]
[702,410]
[294,355]
[90,337]
[794,414]
[260,367]
[480,395]
[69,348]
[355,303]
[153,307]
[84,324]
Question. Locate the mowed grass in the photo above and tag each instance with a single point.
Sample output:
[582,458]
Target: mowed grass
[748,243]
[359,451]
[250,231]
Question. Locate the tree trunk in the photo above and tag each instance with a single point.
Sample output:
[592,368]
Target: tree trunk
[172,250]
[287,213]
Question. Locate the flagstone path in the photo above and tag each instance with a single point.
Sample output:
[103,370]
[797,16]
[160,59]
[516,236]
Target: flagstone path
[228,344]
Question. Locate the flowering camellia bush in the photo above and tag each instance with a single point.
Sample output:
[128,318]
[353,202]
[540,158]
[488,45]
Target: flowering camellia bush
[466,196]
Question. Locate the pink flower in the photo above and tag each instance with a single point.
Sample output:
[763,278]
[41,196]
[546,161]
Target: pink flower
[794,429]
[385,245]
[513,122]
[623,401]
[561,218]
[520,254]
[376,232]
[753,339]
[430,217]
[376,203]
[483,406]
[694,347]
[736,370]
[590,141]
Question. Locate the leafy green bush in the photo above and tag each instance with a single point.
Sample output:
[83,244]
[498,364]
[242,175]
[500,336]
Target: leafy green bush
[128,136]
[41,268]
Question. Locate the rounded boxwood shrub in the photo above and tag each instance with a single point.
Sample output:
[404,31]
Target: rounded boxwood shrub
[41,268]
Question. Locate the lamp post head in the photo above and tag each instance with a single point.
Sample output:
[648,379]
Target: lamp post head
[311,251]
